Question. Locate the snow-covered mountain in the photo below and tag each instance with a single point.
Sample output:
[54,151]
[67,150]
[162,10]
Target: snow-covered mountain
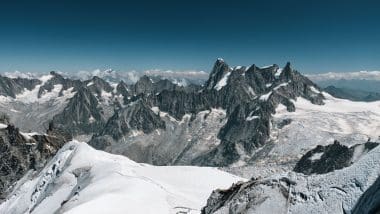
[236,120]
[80,179]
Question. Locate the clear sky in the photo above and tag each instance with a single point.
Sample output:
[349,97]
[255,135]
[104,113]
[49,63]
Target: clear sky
[316,36]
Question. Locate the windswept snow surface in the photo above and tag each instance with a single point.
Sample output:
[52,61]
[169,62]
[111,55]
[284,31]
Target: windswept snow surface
[336,117]
[81,179]
[311,125]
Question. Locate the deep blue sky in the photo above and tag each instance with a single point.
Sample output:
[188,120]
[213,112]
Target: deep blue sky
[316,36]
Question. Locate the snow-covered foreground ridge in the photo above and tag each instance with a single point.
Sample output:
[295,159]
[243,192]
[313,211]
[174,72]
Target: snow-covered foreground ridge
[80,179]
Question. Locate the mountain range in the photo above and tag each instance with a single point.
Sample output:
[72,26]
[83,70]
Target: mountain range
[351,94]
[286,140]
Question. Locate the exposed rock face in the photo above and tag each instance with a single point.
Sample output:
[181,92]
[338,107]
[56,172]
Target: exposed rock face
[179,143]
[58,79]
[21,153]
[98,86]
[178,103]
[249,96]
[146,85]
[324,159]
[123,90]
[82,114]
[11,87]
[219,70]
[136,116]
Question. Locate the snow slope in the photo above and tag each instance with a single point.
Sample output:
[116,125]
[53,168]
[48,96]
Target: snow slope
[346,121]
[310,125]
[32,113]
[81,179]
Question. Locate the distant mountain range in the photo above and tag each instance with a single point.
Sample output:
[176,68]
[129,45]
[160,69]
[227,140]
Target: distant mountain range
[352,94]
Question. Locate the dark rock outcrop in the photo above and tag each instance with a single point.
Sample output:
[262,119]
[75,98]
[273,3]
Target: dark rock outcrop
[97,85]
[11,87]
[147,86]
[58,79]
[20,153]
[82,115]
[136,116]
[123,89]
[324,159]
[249,95]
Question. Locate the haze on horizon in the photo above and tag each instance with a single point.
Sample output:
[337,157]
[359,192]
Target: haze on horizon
[71,35]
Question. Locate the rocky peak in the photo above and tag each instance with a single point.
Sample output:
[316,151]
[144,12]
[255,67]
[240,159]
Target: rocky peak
[97,85]
[82,114]
[249,96]
[220,69]
[12,87]
[287,71]
[122,88]
[101,83]
[144,85]
[147,86]
[135,116]
[324,159]
[58,79]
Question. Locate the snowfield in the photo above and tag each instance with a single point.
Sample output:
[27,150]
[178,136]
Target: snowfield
[80,179]
[32,113]
[347,121]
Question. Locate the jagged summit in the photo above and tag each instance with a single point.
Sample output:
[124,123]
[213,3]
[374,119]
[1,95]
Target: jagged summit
[136,116]
[219,70]
[249,96]
[83,114]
